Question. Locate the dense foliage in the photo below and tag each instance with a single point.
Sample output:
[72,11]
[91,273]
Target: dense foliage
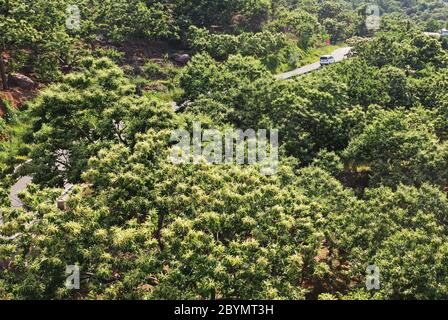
[362,178]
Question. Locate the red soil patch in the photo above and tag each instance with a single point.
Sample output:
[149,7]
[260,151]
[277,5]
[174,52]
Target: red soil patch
[17,97]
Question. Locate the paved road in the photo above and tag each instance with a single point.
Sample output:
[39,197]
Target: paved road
[20,186]
[175,106]
[338,54]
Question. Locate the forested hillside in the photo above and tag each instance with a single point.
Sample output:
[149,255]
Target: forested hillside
[91,96]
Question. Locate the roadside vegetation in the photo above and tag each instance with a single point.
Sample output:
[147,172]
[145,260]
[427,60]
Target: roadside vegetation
[362,178]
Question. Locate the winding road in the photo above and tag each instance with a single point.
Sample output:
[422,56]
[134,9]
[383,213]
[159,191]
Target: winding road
[339,55]
[20,186]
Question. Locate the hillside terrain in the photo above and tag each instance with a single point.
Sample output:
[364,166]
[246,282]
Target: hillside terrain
[87,124]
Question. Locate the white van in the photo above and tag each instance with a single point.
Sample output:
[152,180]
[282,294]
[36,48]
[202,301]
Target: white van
[326,60]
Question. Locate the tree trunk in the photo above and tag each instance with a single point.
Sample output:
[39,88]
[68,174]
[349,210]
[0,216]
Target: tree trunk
[3,72]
